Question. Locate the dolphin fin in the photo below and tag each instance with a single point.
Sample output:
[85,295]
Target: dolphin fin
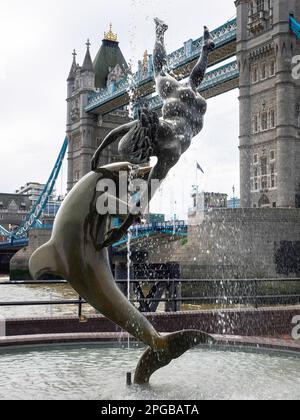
[176,345]
[45,260]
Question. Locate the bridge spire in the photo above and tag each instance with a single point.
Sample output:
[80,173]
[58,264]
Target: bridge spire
[72,73]
[87,64]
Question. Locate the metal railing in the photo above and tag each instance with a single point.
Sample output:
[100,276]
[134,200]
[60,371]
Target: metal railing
[175,288]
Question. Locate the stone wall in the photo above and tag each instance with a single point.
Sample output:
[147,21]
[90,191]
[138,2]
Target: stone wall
[236,243]
[19,264]
[5,258]
[229,243]
[273,322]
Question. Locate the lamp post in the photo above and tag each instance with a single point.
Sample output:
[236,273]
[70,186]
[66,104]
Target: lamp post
[233,198]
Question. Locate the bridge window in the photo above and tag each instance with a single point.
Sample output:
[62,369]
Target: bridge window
[273,176]
[255,159]
[77,176]
[255,75]
[272,155]
[272,68]
[264,166]
[273,181]
[264,71]
[251,8]
[260,5]
[264,121]
[256,124]
[272,118]
[264,183]
[255,180]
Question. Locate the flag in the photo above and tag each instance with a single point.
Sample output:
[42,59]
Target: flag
[199,167]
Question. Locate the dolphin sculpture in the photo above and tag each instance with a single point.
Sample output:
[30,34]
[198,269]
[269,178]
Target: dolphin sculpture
[76,253]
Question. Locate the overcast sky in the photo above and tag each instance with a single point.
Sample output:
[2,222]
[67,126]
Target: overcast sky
[37,39]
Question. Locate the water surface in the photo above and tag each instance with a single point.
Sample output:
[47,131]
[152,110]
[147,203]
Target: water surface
[26,292]
[99,373]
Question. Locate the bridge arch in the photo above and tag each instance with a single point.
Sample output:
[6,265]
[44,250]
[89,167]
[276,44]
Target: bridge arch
[264,202]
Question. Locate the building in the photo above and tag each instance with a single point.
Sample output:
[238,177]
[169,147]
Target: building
[85,131]
[14,209]
[269,104]
[208,200]
[204,202]
[33,190]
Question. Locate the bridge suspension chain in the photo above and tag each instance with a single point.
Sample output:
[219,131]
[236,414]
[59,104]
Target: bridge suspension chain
[33,217]
[295,26]
[4,232]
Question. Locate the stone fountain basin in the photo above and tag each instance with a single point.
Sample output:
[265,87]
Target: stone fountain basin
[94,366]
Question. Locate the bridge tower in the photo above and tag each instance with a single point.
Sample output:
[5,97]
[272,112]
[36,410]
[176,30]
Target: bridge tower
[269,104]
[86,131]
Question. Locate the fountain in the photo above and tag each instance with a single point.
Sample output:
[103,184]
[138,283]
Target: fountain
[79,221]
[78,249]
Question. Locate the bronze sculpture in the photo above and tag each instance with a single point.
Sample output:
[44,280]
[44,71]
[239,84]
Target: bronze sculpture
[169,137]
[75,252]
[78,250]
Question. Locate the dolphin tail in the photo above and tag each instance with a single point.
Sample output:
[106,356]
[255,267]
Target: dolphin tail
[176,345]
[45,260]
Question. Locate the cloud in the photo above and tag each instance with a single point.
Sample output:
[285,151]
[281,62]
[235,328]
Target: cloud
[3,66]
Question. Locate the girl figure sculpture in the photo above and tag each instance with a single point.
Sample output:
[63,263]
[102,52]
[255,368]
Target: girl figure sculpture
[168,137]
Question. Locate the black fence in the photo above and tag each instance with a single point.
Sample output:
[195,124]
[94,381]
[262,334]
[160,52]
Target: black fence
[178,292]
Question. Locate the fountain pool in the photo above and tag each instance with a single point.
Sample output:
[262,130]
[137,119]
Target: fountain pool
[98,372]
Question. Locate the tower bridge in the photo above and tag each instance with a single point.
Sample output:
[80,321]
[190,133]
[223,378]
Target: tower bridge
[254,53]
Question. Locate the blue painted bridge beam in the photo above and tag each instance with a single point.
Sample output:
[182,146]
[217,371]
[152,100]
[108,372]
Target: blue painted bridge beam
[139,232]
[180,62]
[35,214]
[295,26]
[32,220]
[213,84]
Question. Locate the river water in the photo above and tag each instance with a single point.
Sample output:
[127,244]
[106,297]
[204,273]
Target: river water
[18,293]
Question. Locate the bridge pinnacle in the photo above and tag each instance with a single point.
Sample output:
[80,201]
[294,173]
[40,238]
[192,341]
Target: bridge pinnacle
[72,73]
[110,36]
[88,63]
